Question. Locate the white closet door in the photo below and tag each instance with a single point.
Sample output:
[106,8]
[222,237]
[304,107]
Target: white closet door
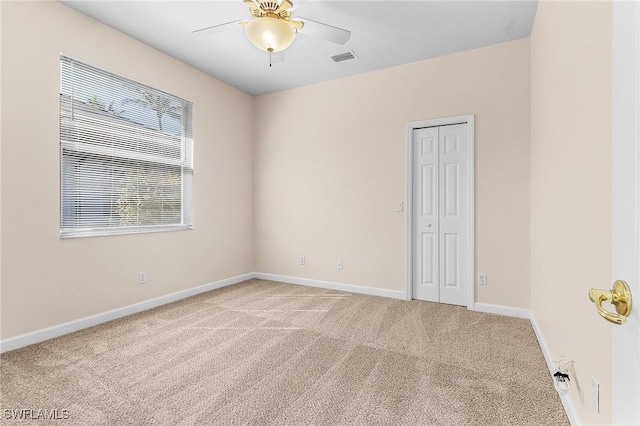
[454,212]
[426,269]
[440,214]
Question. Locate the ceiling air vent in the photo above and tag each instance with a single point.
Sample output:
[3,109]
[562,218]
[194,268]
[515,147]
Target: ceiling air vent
[341,57]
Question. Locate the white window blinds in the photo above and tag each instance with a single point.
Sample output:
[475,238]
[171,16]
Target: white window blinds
[126,155]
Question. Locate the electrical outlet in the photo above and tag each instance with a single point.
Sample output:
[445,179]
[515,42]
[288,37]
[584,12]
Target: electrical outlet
[302,260]
[400,207]
[482,278]
[142,278]
[339,265]
[595,394]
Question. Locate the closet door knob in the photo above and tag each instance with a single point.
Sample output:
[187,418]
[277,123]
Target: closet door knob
[620,297]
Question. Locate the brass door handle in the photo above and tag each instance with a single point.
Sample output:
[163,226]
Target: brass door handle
[620,296]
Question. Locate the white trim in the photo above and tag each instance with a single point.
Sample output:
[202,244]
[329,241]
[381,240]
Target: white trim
[352,288]
[470,120]
[625,229]
[79,324]
[527,314]
[82,323]
[507,311]
[76,325]
[569,408]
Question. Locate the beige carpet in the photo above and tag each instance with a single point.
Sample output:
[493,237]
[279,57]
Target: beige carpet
[261,352]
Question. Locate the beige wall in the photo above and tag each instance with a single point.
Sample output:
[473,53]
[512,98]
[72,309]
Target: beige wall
[571,188]
[48,281]
[330,167]
[319,174]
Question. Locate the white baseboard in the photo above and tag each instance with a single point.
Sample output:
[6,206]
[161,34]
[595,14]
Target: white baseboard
[79,324]
[372,291]
[71,326]
[502,310]
[569,408]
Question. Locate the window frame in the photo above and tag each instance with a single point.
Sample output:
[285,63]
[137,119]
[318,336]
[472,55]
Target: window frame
[74,148]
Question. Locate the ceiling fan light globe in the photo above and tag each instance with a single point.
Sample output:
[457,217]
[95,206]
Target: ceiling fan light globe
[270,34]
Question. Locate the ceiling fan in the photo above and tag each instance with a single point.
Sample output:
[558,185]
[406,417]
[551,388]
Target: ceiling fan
[272,29]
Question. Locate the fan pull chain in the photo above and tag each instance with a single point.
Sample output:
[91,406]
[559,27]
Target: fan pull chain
[270,50]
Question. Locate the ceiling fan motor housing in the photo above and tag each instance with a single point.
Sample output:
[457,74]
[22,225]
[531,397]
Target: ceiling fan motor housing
[272,9]
[269,5]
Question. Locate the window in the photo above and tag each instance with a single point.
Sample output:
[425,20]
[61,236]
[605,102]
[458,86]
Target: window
[125,155]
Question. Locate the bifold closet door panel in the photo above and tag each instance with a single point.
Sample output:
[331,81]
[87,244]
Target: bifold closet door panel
[454,211]
[440,214]
[426,264]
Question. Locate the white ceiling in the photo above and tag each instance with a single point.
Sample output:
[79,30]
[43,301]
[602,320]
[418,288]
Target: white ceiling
[383,34]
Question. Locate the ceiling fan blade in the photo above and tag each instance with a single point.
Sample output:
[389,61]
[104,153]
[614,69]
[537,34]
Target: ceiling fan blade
[284,5]
[297,4]
[252,4]
[218,28]
[324,31]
